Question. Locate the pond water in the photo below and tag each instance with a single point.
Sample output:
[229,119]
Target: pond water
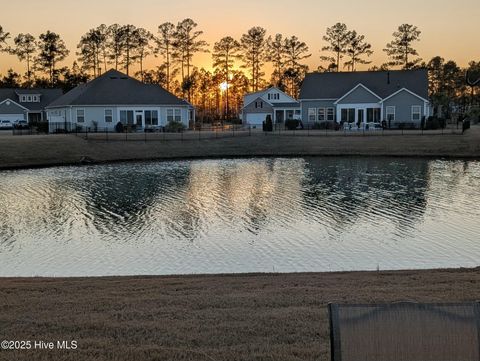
[242,215]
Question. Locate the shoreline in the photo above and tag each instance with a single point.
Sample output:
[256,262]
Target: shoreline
[42,151]
[204,317]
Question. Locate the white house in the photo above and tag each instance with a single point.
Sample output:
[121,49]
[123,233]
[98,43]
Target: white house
[115,97]
[273,102]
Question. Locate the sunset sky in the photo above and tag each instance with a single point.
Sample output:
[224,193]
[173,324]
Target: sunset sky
[449,28]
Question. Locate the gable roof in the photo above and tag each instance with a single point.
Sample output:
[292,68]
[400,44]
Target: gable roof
[355,88]
[382,83]
[116,88]
[46,96]
[9,106]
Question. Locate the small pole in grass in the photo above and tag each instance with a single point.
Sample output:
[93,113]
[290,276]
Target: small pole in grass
[106,133]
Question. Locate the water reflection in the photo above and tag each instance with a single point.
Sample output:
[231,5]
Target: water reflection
[253,215]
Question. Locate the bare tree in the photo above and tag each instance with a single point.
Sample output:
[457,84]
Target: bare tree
[142,46]
[295,52]
[92,47]
[114,44]
[254,46]
[400,50]
[224,54]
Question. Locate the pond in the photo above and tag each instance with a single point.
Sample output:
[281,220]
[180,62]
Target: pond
[241,215]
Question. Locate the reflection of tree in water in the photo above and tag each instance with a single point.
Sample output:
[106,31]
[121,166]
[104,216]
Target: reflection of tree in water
[120,198]
[348,189]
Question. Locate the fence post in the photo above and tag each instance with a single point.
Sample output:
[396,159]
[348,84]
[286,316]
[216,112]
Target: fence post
[86,132]
[145,135]
[106,133]
[126,132]
[249,130]
[233,130]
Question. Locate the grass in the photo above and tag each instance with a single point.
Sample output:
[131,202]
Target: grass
[224,317]
[47,150]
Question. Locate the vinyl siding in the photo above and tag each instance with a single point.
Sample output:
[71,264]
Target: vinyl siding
[403,103]
[305,104]
[359,95]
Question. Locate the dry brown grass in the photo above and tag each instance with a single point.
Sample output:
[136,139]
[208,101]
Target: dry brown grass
[244,317]
[44,150]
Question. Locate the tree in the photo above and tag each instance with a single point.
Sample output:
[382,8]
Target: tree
[114,44]
[11,80]
[72,77]
[224,54]
[295,52]
[400,50]
[92,47]
[337,37]
[276,55]
[142,47]
[356,48]
[164,47]
[254,46]
[25,48]
[129,43]
[52,50]
[4,36]
[186,44]
[473,78]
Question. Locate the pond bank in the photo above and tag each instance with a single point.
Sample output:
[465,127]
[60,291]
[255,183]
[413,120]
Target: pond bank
[212,317]
[54,150]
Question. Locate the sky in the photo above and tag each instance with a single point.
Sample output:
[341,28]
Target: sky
[449,28]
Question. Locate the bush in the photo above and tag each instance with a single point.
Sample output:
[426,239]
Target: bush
[291,124]
[174,126]
[432,123]
[119,128]
[268,125]
[42,127]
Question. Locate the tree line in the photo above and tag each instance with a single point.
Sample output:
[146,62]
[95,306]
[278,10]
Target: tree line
[238,65]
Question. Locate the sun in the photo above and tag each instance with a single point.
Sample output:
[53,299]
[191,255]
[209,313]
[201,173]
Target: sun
[224,86]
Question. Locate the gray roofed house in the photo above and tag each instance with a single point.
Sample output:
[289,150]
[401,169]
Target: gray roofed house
[26,104]
[115,97]
[366,99]
[274,102]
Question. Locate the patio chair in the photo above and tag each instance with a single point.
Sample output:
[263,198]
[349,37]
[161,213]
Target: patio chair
[405,332]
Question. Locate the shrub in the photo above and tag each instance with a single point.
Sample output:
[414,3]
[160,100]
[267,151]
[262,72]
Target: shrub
[292,124]
[268,123]
[174,126]
[119,128]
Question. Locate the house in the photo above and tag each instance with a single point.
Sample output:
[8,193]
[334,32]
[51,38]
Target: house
[26,104]
[115,97]
[360,100]
[273,102]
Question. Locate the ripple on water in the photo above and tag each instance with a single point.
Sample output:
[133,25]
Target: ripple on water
[255,215]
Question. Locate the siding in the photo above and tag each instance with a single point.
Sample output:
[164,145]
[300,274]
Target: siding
[305,104]
[403,103]
[250,108]
[359,95]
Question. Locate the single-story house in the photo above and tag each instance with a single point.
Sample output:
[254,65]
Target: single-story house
[115,97]
[273,102]
[359,100]
[26,104]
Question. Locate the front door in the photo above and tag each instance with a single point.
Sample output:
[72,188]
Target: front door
[361,118]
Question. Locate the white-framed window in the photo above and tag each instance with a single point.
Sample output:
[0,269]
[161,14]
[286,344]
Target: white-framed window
[23,98]
[312,114]
[330,114]
[297,112]
[174,115]
[258,104]
[108,115]
[29,98]
[348,115]
[151,117]
[321,114]
[416,112]
[80,115]
[390,113]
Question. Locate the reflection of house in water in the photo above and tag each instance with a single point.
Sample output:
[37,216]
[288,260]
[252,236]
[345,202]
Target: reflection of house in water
[347,190]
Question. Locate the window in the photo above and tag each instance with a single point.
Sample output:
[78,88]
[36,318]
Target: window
[390,113]
[373,115]
[151,117]
[23,99]
[297,112]
[348,115]
[108,115]
[29,98]
[416,112]
[126,117]
[80,115]
[174,115]
[330,114]
[258,104]
[321,114]
[312,113]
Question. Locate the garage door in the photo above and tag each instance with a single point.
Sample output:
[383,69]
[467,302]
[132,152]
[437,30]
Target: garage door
[256,118]
[12,117]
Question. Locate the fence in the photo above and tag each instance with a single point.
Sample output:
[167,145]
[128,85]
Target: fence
[227,131]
